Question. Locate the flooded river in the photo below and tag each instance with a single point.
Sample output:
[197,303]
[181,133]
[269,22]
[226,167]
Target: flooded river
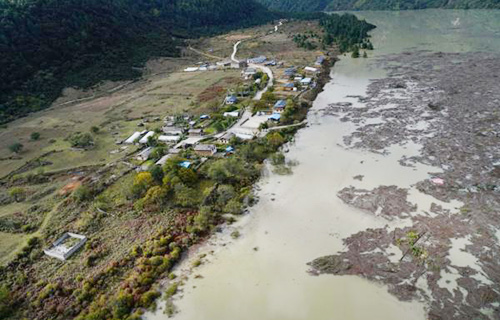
[263,273]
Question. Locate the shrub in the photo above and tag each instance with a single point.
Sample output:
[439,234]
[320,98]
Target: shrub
[16,147]
[5,301]
[171,290]
[148,298]
[83,193]
[122,305]
[94,129]
[35,136]
[81,140]
[17,194]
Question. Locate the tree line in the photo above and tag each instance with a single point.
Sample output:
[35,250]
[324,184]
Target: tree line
[46,45]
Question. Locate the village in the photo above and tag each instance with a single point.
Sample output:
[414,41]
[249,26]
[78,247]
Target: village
[153,164]
[199,137]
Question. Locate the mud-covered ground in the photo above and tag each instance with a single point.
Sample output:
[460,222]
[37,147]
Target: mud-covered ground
[450,105]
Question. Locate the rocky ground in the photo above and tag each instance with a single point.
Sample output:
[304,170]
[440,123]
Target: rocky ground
[450,105]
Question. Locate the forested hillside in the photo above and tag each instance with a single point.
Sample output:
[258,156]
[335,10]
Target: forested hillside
[332,5]
[46,45]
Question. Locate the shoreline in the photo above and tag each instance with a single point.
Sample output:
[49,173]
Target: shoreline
[225,229]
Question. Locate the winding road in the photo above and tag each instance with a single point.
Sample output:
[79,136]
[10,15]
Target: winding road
[265,69]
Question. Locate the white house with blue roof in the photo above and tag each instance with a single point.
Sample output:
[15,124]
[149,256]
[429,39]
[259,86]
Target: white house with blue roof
[279,106]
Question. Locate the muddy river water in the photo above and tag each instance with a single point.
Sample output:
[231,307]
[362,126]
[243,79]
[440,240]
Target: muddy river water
[263,273]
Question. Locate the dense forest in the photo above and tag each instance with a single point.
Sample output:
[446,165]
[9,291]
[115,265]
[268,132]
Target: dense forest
[347,31]
[46,45]
[333,5]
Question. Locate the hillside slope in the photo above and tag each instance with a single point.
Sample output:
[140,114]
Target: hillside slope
[333,5]
[46,45]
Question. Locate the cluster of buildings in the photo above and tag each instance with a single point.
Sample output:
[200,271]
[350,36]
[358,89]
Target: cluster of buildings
[219,65]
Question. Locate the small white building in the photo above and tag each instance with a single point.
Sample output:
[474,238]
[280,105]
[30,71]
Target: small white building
[306,81]
[249,72]
[191,69]
[144,154]
[144,139]
[310,69]
[226,137]
[65,246]
[133,138]
[168,139]
[233,114]
[172,131]
[164,159]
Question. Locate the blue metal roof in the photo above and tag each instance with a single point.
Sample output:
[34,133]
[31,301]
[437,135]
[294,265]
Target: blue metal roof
[229,149]
[231,98]
[275,116]
[280,104]
[185,164]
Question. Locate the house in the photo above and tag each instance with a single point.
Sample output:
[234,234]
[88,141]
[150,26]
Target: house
[133,138]
[319,61]
[164,159]
[185,164]
[239,64]
[196,132]
[297,78]
[257,60]
[226,137]
[279,106]
[205,150]
[191,69]
[146,137]
[231,99]
[66,246]
[212,67]
[306,81]
[144,154]
[233,114]
[310,70]
[290,72]
[224,63]
[258,81]
[270,63]
[289,87]
[168,139]
[172,131]
[275,117]
[229,149]
[204,117]
[249,72]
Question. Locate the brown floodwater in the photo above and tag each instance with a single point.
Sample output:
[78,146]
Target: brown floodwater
[263,273]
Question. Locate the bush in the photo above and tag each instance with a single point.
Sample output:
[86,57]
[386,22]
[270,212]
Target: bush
[81,140]
[17,194]
[5,301]
[35,136]
[16,147]
[148,298]
[123,305]
[83,193]
[94,129]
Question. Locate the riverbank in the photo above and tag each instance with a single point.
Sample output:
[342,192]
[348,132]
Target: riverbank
[447,104]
